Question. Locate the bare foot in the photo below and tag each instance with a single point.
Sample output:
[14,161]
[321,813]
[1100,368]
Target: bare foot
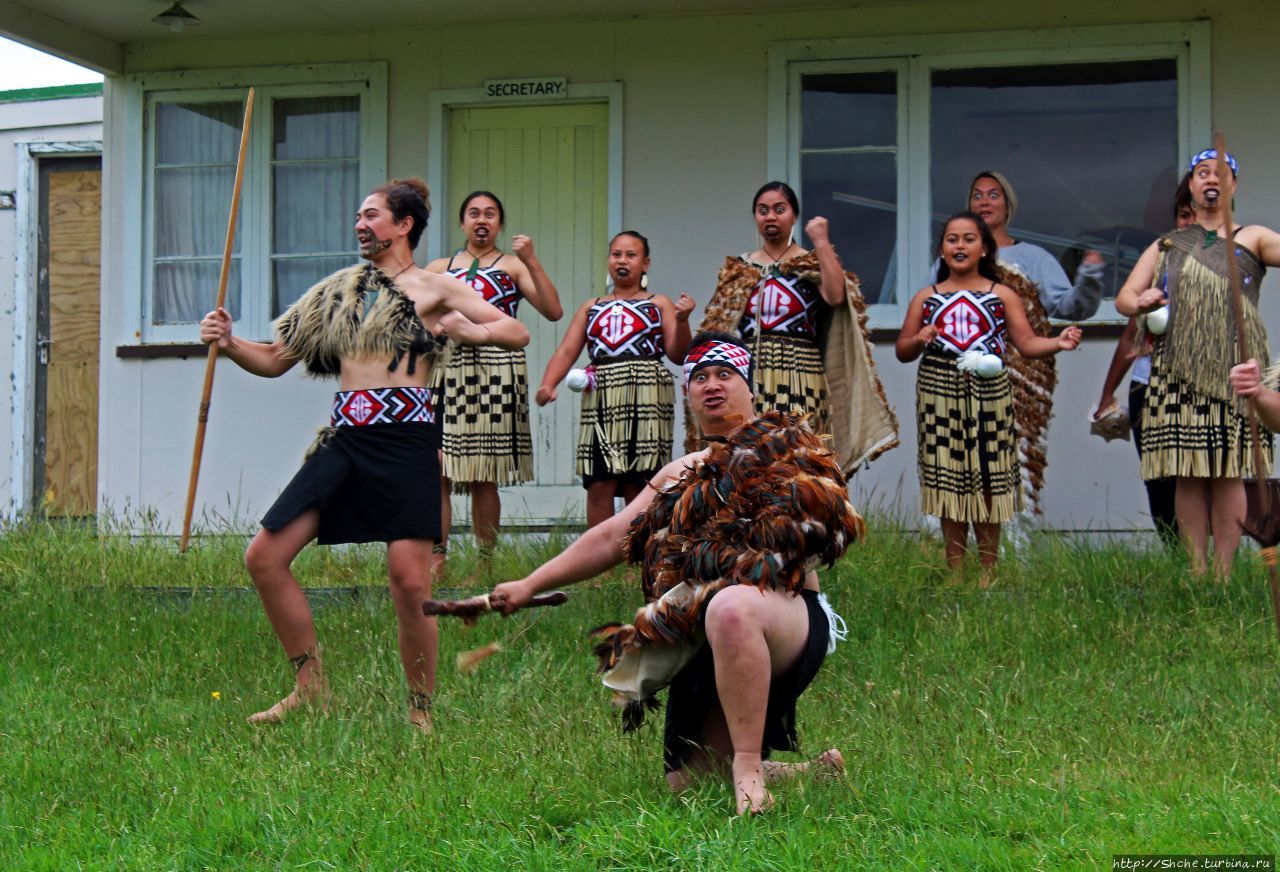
[749,787]
[987,577]
[830,762]
[314,695]
[421,719]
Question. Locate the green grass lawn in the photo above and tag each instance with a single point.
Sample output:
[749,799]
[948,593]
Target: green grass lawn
[1095,702]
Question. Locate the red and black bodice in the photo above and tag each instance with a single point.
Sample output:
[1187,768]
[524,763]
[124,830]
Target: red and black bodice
[494,285]
[966,321]
[781,304]
[622,329]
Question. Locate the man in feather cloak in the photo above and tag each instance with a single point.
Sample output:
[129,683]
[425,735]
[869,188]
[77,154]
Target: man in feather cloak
[728,539]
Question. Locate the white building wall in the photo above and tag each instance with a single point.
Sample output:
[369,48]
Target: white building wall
[76,119]
[694,149]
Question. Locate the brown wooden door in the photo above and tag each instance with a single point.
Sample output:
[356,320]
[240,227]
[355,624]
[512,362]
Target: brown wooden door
[66,463]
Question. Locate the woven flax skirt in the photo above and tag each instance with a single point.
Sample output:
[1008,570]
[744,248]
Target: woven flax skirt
[967,444]
[1188,434]
[486,417]
[789,377]
[627,421]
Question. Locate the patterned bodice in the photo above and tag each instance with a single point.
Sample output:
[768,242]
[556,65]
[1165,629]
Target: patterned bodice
[624,328]
[780,304]
[493,284]
[966,321]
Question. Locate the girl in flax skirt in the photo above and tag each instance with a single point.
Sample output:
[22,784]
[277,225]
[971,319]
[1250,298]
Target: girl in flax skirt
[628,413]
[967,440]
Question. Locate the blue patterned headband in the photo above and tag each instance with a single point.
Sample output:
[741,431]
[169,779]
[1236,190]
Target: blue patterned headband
[1212,154]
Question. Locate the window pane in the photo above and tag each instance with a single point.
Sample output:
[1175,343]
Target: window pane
[191,209]
[198,133]
[858,195]
[315,191]
[186,290]
[1090,149]
[291,277]
[849,109]
[315,207]
[195,152]
[308,128]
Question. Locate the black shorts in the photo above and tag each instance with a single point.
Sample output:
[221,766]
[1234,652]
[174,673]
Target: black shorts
[692,695]
[378,483]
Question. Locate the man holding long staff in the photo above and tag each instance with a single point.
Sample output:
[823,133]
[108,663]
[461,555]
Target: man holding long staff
[374,474]
[728,538]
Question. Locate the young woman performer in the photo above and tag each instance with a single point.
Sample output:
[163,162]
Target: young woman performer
[1195,427]
[486,388]
[374,474]
[1160,491]
[800,314]
[1046,292]
[967,444]
[628,416]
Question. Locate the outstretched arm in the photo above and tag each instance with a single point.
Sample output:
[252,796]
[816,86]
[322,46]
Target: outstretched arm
[565,355]
[1269,247]
[259,358]
[594,552]
[1121,360]
[1024,338]
[1063,300]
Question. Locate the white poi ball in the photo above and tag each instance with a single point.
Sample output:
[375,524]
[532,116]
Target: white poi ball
[577,380]
[989,366]
[1158,321]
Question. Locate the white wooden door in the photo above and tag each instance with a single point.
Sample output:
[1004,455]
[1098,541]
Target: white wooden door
[549,165]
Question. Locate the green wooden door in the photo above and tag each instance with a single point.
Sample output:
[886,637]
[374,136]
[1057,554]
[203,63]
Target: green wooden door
[549,165]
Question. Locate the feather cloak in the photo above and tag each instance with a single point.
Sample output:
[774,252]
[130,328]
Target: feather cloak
[1032,383]
[761,509]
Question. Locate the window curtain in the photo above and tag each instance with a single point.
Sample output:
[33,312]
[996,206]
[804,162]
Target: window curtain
[195,154]
[315,156]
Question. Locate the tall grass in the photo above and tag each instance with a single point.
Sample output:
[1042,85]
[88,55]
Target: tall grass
[1094,702]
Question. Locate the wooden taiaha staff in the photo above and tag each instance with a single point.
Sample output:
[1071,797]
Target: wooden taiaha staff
[212,361]
[1259,530]
[472,608]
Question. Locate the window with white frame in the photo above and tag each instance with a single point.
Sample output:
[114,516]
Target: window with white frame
[884,141]
[311,152]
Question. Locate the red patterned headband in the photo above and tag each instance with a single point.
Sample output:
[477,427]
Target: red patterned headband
[718,353]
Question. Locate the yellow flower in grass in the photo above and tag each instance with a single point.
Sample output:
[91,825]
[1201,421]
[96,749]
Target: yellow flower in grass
[217,694]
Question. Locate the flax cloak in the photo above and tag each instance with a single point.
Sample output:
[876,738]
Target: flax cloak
[863,424]
[355,312]
[1195,426]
